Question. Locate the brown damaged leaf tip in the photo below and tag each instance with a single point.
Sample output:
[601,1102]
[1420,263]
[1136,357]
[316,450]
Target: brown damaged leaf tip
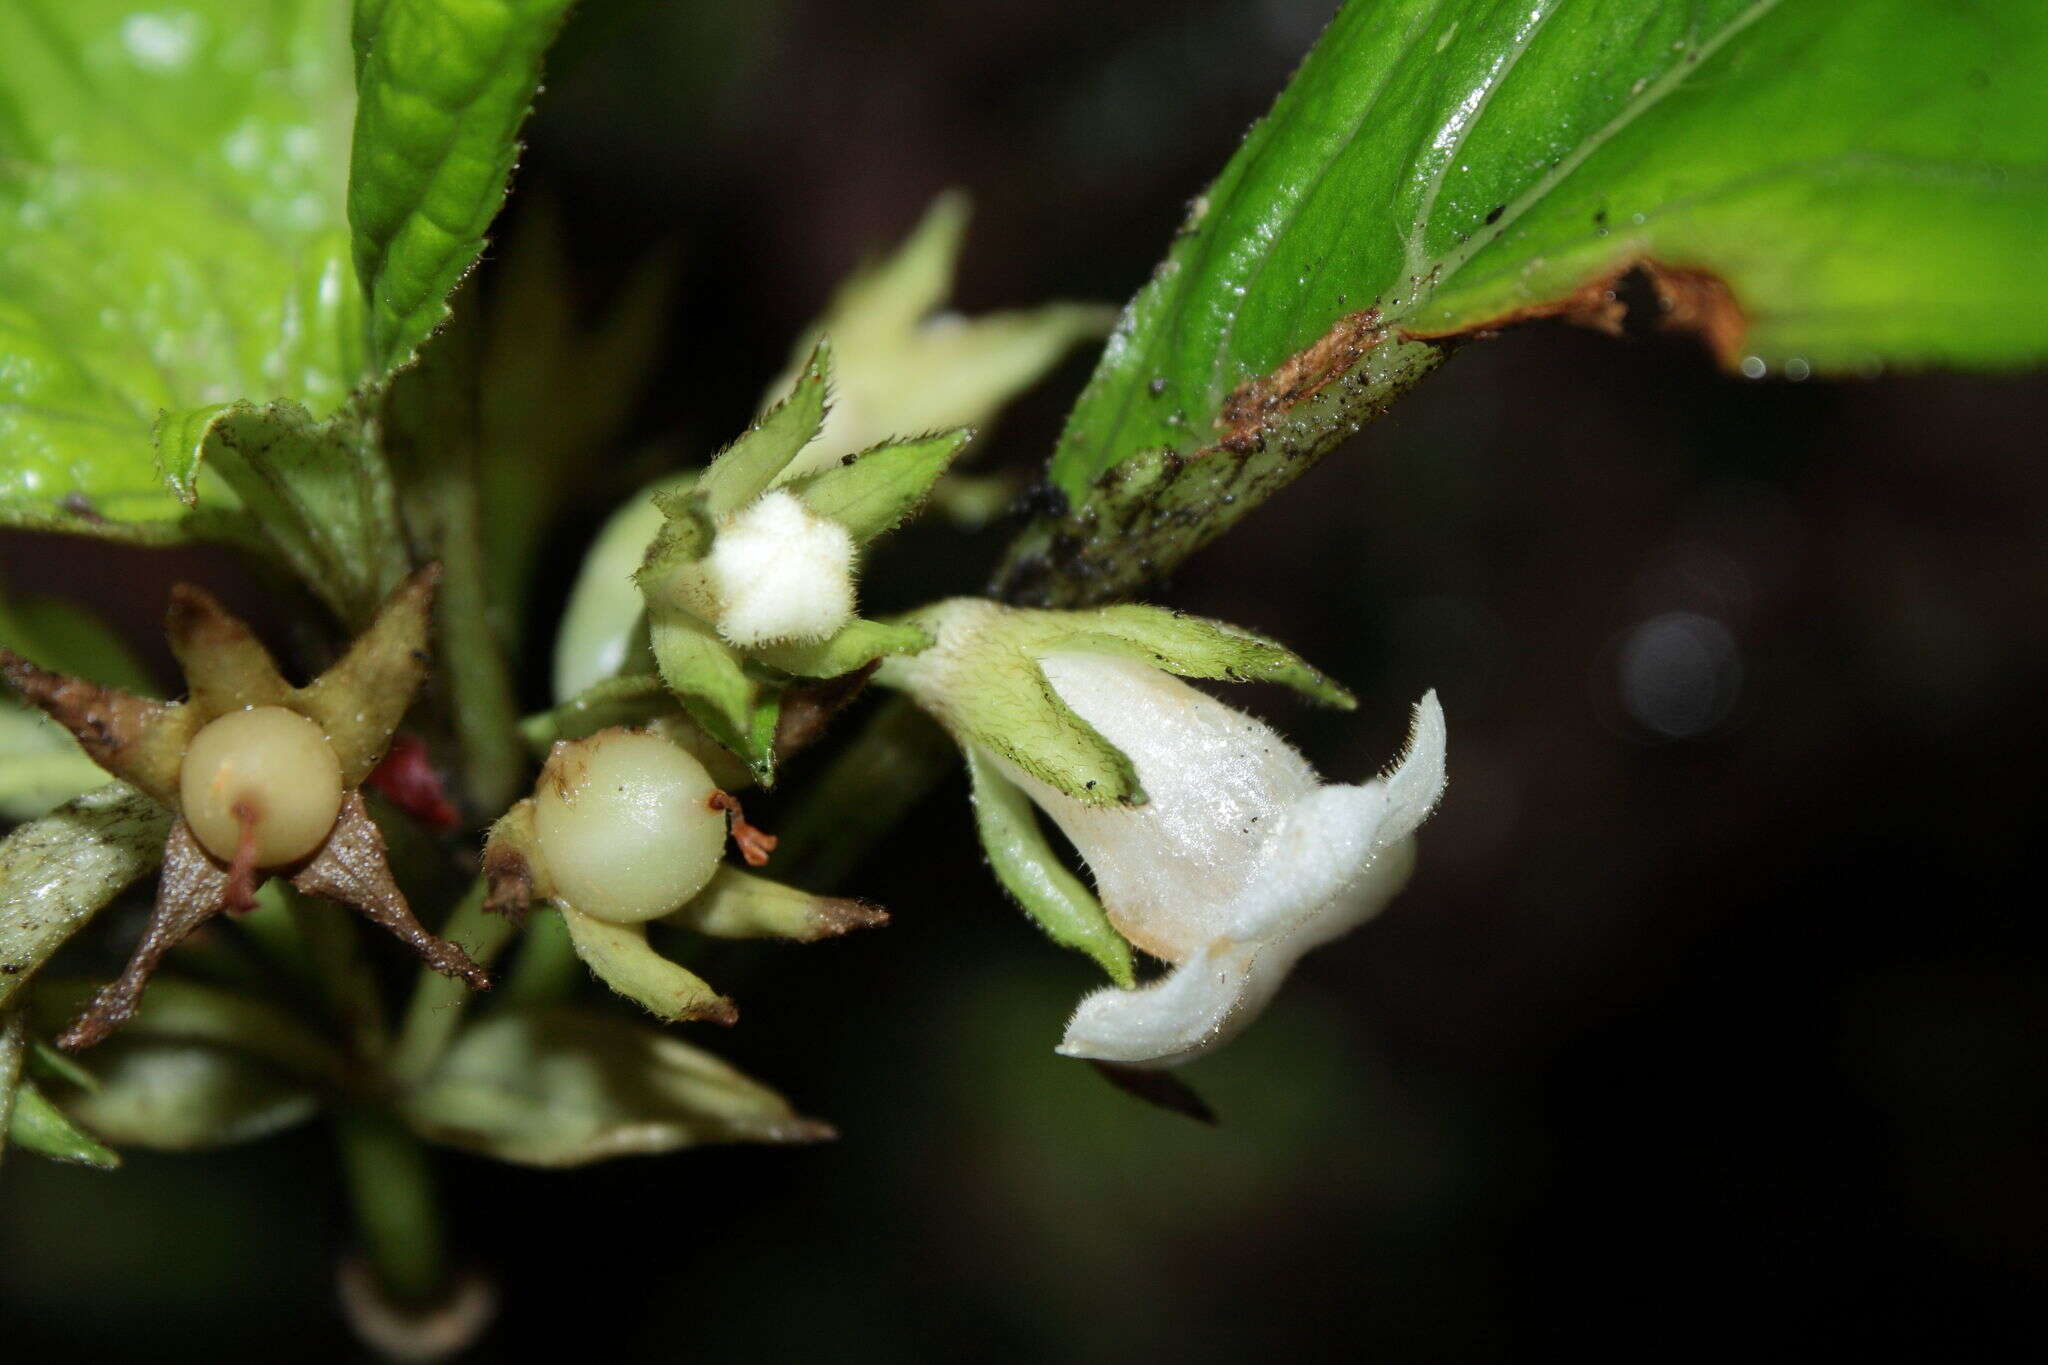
[753,842]
[1689,300]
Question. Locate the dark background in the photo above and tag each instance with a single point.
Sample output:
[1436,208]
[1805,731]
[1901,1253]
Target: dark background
[1711,1020]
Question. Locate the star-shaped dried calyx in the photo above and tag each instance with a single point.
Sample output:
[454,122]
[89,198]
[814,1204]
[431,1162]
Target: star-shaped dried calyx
[265,777]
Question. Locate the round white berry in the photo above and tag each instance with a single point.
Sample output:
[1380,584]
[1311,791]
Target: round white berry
[267,770]
[626,825]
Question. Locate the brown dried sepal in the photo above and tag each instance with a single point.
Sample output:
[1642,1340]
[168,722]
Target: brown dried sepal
[753,842]
[513,875]
[1689,300]
[137,740]
[357,704]
[832,916]
[352,869]
[192,890]
[808,707]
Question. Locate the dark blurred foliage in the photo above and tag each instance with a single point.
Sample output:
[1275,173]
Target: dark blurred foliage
[1711,1022]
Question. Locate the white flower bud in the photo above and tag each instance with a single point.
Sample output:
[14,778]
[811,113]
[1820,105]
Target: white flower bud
[265,770]
[780,573]
[626,825]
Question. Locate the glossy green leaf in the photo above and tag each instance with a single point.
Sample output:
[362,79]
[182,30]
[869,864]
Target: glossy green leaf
[565,1088]
[1815,187]
[443,87]
[56,873]
[620,956]
[741,905]
[171,237]
[1025,863]
[172,1096]
[871,493]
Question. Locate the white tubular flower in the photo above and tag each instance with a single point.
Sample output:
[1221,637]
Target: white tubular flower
[780,572]
[1239,862]
[1236,861]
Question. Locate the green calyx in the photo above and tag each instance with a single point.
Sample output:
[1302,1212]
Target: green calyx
[984,680]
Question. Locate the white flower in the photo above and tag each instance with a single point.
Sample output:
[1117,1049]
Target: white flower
[1213,845]
[780,572]
[1238,863]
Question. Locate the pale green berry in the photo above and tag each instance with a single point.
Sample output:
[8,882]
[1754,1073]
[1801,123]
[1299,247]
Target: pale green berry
[264,770]
[628,825]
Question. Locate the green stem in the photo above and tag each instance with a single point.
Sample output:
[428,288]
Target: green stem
[479,683]
[397,1209]
[13,1048]
[888,768]
[437,1001]
[432,423]
[333,943]
[546,969]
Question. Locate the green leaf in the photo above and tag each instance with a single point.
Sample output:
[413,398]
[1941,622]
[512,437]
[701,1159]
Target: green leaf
[41,766]
[318,489]
[185,1097]
[36,1125]
[171,236]
[620,957]
[733,707]
[176,1009]
[58,872]
[741,905]
[1817,187]
[850,647]
[1025,863]
[744,470]
[68,638]
[443,87]
[870,494]
[564,1088]
[556,394]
